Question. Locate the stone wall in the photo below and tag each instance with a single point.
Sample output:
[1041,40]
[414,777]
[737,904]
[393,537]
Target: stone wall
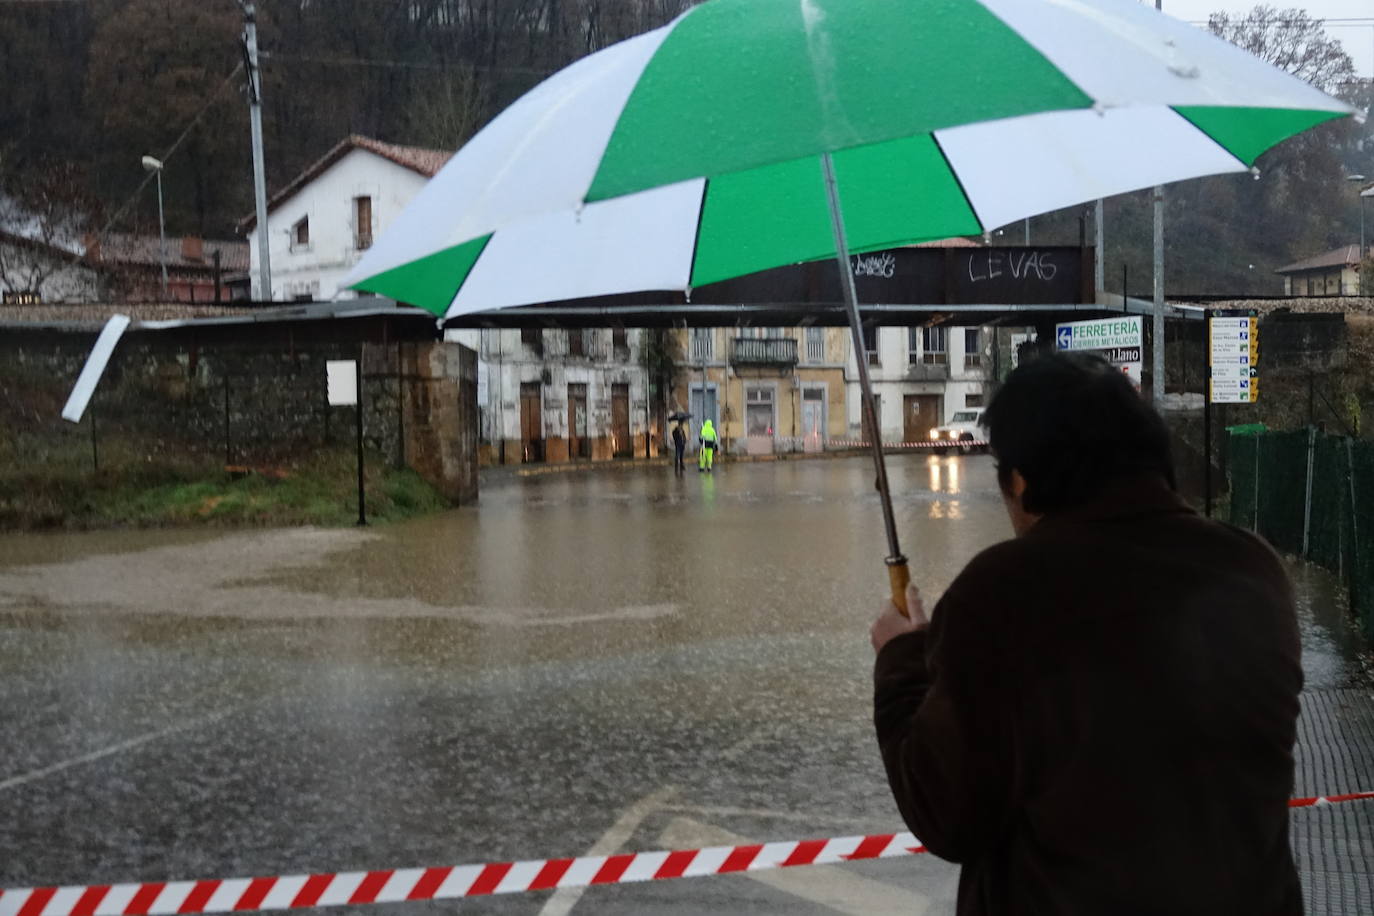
[233,403]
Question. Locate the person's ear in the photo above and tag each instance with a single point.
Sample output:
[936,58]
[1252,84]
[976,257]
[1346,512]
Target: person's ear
[1018,484]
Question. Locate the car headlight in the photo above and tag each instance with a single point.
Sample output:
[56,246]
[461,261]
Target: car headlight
[934,434]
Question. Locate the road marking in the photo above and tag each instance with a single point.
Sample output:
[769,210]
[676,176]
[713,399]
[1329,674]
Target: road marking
[564,899]
[827,885]
[35,775]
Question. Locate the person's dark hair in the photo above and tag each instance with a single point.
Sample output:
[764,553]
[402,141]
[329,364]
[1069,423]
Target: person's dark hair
[1070,423]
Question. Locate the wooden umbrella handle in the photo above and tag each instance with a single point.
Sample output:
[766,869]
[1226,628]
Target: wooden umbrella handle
[899,575]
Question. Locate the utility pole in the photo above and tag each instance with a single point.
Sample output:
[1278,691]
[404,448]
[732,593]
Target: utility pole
[250,51]
[1100,261]
[1157,331]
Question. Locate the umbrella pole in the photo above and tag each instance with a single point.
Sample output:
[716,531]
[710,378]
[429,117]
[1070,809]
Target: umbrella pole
[898,574]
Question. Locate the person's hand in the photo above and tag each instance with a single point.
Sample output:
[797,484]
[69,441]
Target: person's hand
[891,623]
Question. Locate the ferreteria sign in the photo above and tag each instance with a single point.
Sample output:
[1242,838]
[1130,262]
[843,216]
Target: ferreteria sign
[1117,340]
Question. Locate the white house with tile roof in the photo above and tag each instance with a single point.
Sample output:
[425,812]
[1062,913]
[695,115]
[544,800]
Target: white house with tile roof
[319,224]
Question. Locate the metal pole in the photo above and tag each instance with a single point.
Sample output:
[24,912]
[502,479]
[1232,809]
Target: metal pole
[95,444]
[358,414]
[161,235]
[400,409]
[1354,516]
[1158,339]
[1100,261]
[227,453]
[1027,232]
[1363,250]
[896,562]
[1307,499]
[648,393]
[1157,348]
[1207,414]
[250,40]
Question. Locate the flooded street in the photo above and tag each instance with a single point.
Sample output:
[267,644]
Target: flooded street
[607,662]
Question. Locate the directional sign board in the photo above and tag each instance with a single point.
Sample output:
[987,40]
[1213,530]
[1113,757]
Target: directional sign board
[1117,340]
[1233,358]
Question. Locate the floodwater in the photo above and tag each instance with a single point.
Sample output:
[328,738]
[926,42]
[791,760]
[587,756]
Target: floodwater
[585,662]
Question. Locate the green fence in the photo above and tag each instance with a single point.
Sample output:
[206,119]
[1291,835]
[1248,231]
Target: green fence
[1312,495]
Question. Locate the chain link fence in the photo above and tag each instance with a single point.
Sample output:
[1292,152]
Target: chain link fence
[1310,494]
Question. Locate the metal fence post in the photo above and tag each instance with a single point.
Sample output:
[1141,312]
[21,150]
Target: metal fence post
[1307,499]
[400,410]
[358,415]
[95,444]
[1353,585]
[227,444]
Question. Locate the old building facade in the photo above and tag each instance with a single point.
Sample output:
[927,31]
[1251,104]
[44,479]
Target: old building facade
[563,395]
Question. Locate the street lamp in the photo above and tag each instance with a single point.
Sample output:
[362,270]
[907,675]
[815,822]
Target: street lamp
[155,165]
[1363,195]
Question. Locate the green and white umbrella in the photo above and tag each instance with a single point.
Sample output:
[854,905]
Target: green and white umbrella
[723,143]
[690,154]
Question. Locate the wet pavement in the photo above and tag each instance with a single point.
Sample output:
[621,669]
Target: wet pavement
[608,662]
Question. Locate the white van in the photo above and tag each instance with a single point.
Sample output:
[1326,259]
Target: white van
[962,430]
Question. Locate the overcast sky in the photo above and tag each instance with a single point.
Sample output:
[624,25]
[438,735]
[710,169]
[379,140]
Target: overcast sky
[1357,38]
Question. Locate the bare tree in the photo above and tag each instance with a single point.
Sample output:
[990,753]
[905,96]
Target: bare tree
[449,113]
[44,216]
[1289,39]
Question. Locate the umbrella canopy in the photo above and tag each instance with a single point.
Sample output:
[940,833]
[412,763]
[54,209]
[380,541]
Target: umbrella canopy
[690,154]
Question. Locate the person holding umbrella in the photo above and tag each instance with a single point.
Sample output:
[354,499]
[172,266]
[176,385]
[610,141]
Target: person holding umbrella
[1099,716]
[679,443]
[709,443]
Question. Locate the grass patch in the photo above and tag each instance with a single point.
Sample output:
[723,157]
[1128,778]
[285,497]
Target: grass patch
[59,492]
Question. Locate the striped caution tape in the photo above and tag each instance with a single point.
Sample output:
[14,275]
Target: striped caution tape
[389,886]
[450,882]
[923,444]
[1328,799]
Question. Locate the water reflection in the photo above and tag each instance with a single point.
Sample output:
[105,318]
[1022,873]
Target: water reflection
[944,473]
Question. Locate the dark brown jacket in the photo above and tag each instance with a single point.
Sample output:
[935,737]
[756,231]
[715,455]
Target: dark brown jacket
[1100,718]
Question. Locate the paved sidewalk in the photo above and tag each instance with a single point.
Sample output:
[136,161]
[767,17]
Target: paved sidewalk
[1334,844]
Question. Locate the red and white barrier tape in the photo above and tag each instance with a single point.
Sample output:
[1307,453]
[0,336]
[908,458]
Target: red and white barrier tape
[389,886]
[445,883]
[923,444]
[1318,800]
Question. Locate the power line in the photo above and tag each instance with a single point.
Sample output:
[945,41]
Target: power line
[399,64]
[171,150]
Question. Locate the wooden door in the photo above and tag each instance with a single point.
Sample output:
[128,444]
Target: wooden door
[920,414]
[621,444]
[531,422]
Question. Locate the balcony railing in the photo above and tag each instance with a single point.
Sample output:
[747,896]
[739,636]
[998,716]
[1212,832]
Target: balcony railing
[765,351]
[927,372]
